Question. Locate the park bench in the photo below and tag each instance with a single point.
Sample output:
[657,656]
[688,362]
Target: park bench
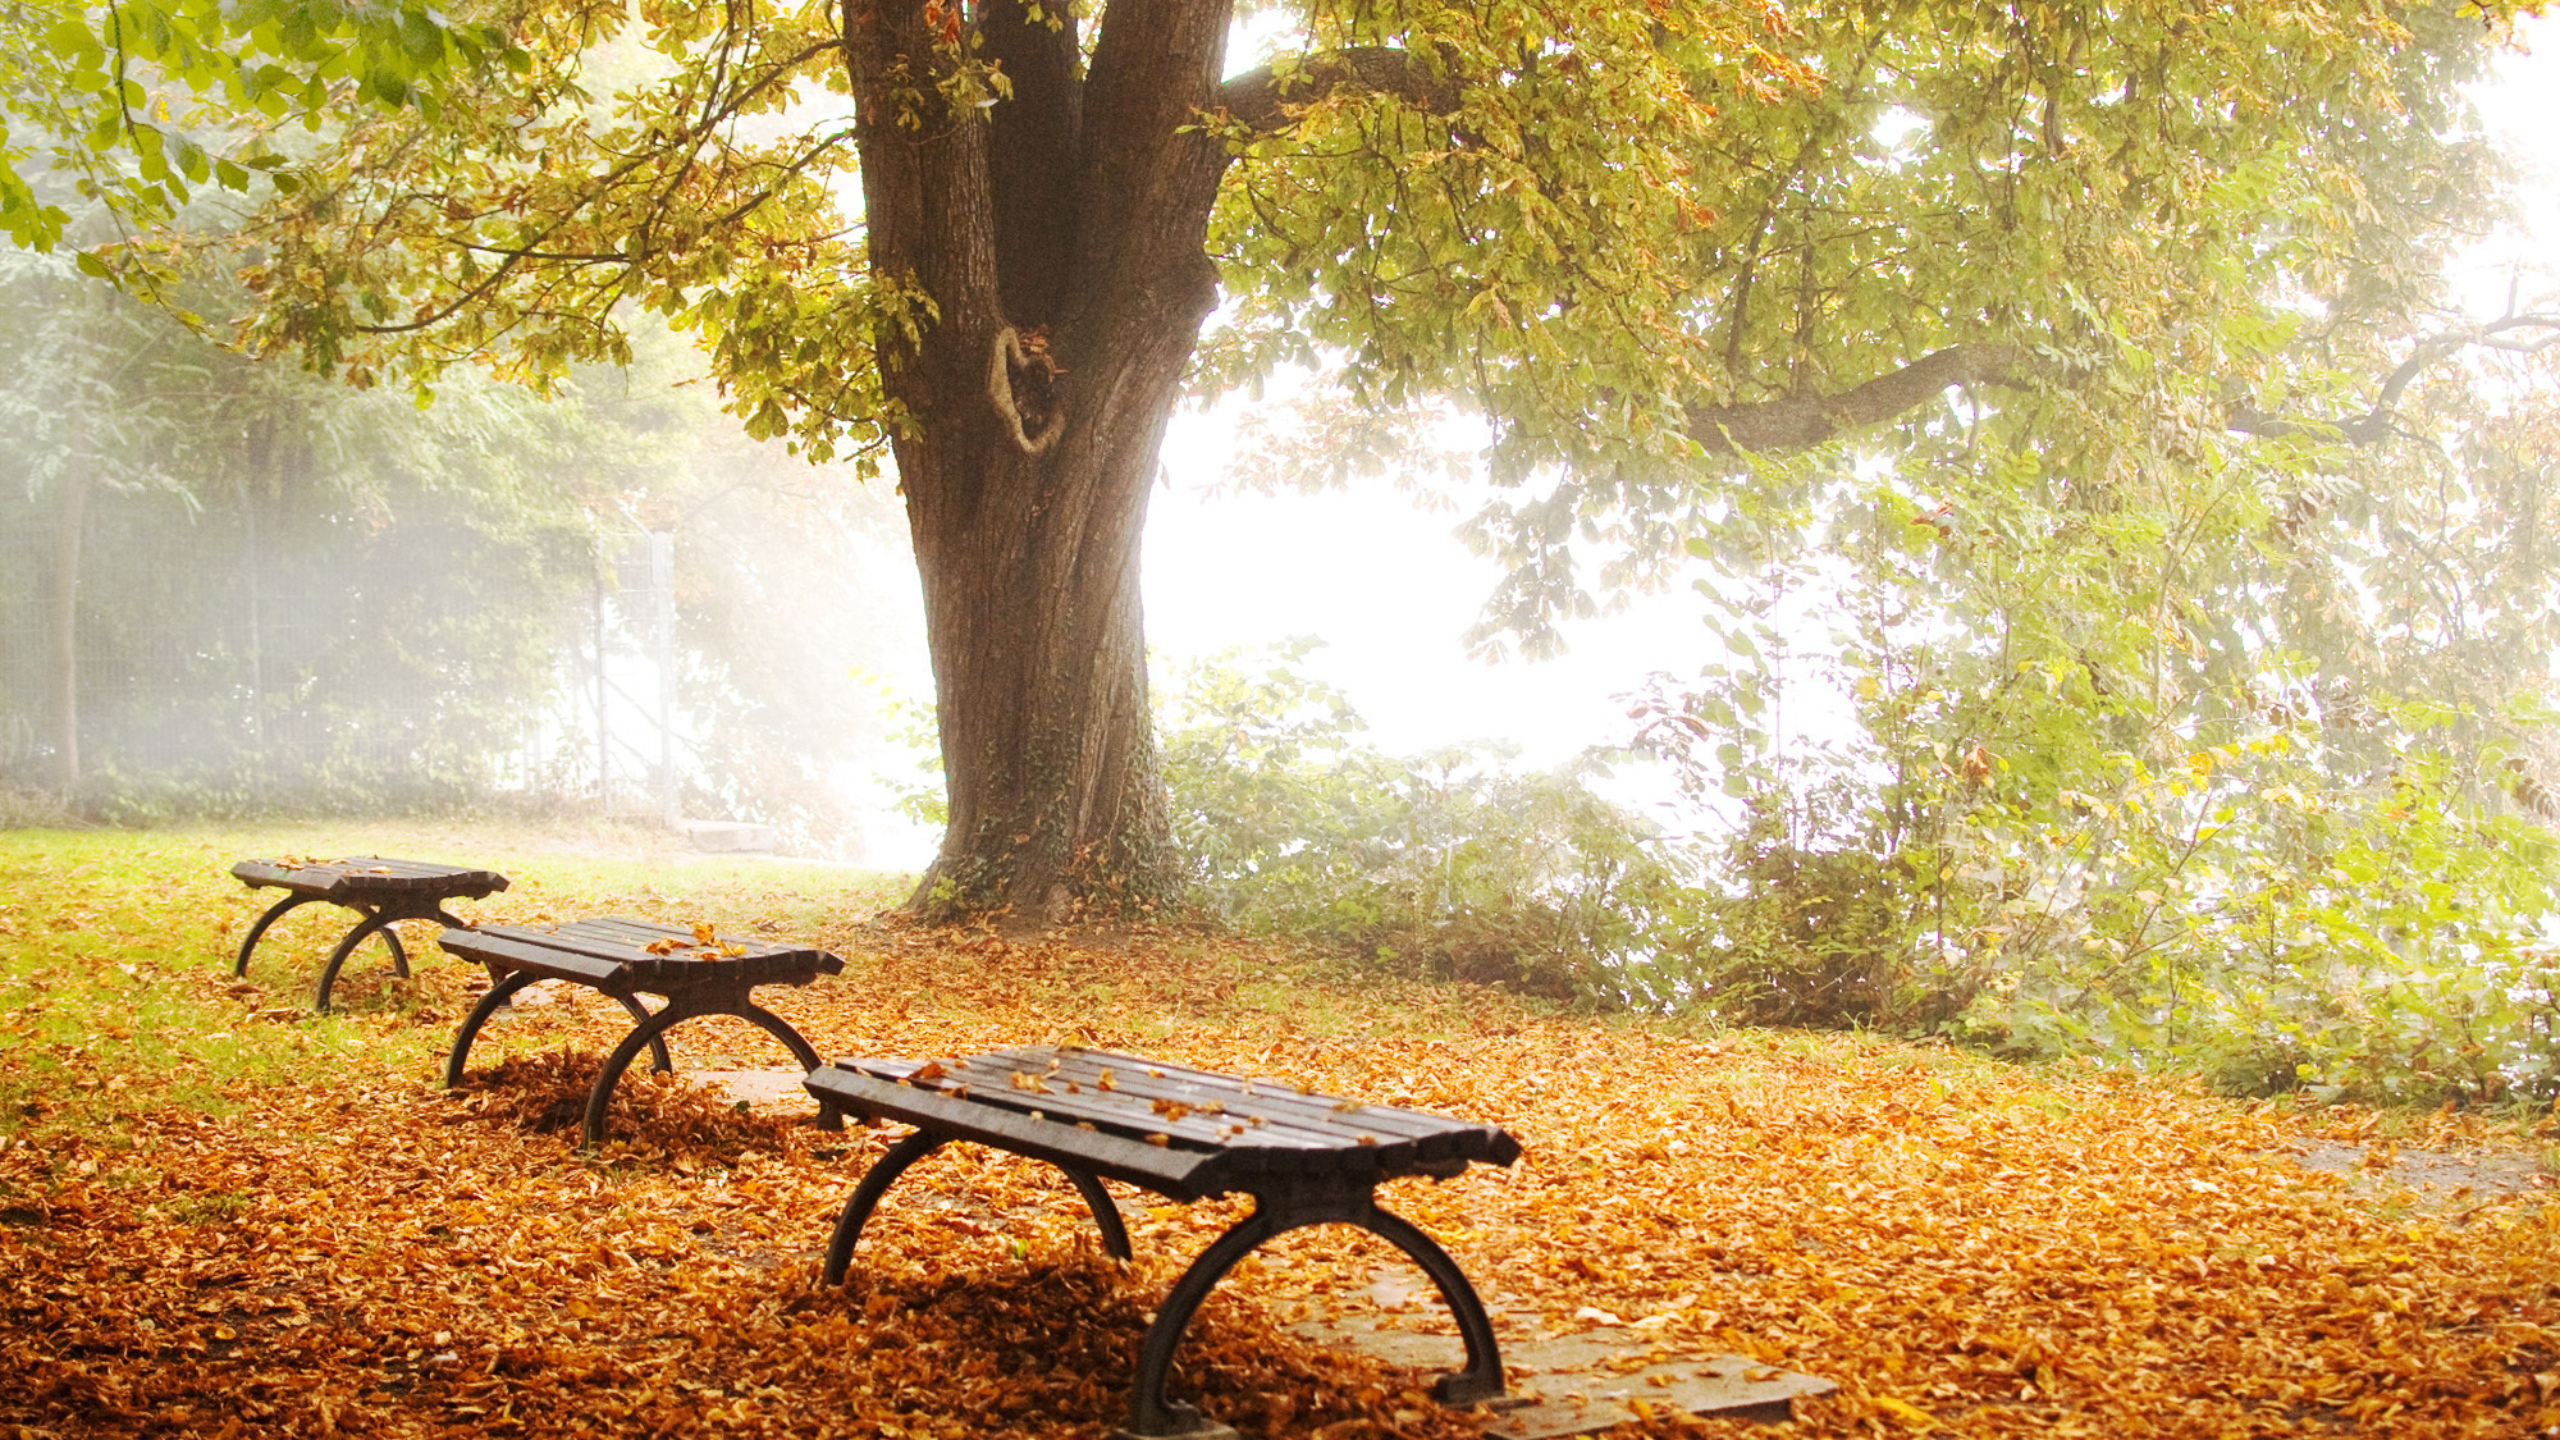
[696,972]
[1306,1159]
[383,892]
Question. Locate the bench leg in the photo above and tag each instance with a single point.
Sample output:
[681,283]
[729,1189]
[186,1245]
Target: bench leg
[1482,1378]
[651,1032]
[659,1061]
[373,922]
[884,1172]
[643,1035]
[275,912]
[829,1117]
[1151,1416]
[1106,1216]
[498,995]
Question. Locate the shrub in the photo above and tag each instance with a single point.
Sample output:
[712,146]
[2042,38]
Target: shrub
[1450,863]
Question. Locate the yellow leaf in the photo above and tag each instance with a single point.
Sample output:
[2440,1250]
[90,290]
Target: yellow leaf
[1906,1412]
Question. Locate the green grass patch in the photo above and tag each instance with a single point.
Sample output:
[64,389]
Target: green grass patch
[116,947]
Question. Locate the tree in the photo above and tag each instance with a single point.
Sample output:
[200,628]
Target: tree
[1644,243]
[225,584]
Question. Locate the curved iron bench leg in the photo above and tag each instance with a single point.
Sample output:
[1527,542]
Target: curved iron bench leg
[658,1061]
[643,1035]
[1482,1379]
[1106,1215]
[884,1172]
[373,921]
[1151,1415]
[399,956]
[498,995]
[275,912]
[829,1117]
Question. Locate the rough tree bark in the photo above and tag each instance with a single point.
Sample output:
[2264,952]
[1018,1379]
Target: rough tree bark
[1061,240]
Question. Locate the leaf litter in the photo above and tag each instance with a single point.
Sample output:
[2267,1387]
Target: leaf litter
[1965,1248]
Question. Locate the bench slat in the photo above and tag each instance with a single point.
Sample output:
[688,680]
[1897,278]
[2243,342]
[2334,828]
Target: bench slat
[991,1086]
[1302,1136]
[507,952]
[1129,1103]
[1164,1170]
[372,875]
[1329,1117]
[618,949]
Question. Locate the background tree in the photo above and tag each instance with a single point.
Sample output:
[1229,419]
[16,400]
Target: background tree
[227,586]
[1643,243]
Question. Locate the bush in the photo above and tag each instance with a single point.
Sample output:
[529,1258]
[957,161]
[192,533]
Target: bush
[1449,863]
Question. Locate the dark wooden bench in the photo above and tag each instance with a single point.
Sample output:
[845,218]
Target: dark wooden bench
[696,973]
[1306,1159]
[382,891]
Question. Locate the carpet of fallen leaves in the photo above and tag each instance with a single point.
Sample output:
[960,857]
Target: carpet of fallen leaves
[1966,1248]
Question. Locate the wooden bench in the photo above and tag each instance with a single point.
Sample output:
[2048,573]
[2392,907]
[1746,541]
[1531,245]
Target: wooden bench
[382,891]
[696,972]
[1306,1159]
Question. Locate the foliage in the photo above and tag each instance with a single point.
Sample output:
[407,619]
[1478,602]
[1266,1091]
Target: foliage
[93,90]
[1452,862]
[2133,237]
[199,1181]
[2243,864]
[2106,349]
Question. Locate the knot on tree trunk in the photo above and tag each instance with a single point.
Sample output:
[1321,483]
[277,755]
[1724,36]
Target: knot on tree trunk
[1016,352]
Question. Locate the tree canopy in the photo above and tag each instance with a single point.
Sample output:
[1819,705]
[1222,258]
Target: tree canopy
[2134,309]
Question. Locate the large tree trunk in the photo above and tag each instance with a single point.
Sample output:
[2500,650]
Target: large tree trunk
[1031,601]
[1059,237]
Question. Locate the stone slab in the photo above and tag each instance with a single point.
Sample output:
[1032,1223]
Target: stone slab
[1577,1383]
[763,1089]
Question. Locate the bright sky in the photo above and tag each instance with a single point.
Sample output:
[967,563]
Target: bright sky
[1392,591]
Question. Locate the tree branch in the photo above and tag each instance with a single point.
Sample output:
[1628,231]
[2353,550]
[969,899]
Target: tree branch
[2376,423]
[1033,143]
[1797,422]
[1267,99]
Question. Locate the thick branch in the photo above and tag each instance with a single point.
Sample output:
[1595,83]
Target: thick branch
[1032,147]
[927,209]
[2376,423]
[1797,422]
[1268,99]
[1148,175]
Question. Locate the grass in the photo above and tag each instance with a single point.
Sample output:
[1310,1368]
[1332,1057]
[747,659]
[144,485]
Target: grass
[116,948]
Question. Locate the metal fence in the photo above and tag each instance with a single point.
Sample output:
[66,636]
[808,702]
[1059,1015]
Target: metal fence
[218,667]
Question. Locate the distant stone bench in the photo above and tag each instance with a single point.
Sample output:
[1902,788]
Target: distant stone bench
[1306,1159]
[696,972]
[382,891]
